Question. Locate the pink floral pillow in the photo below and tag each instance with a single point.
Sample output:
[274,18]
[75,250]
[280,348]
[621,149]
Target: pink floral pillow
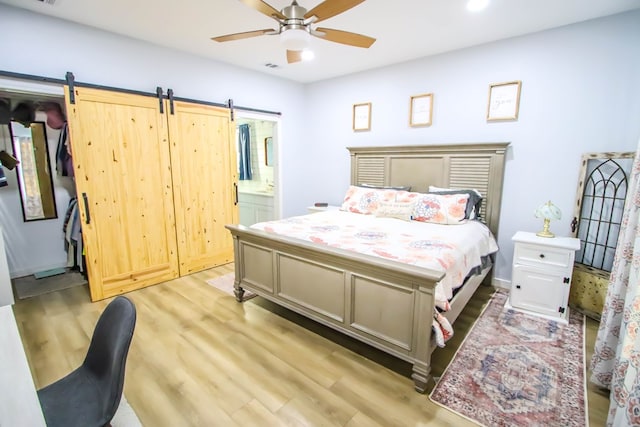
[440,208]
[367,200]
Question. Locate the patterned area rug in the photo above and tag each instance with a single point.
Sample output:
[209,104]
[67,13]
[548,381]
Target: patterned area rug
[515,369]
[225,284]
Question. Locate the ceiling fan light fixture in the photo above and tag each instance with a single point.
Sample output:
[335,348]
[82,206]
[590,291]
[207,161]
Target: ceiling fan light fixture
[295,39]
[477,5]
[308,55]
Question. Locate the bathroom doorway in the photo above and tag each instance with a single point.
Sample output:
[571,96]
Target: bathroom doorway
[258,167]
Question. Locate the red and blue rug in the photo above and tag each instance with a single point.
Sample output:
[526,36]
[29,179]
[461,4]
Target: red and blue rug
[515,369]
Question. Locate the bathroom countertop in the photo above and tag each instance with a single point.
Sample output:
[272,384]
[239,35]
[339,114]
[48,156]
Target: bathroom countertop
[256,192]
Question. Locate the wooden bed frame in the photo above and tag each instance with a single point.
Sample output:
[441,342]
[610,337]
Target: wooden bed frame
[386,304]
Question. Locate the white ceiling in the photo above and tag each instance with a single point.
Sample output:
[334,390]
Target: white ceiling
[404,29]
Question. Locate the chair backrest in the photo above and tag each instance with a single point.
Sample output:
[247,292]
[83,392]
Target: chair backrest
[107,354]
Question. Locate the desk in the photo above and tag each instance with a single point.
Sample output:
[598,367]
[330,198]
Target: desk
[19,404]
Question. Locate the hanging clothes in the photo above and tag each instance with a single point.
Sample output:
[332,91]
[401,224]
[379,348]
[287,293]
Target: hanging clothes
[72,229]
[64,161]
[3,178]
[244,148]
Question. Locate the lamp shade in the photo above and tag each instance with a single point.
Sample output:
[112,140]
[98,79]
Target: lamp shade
[547,212]
[295,39]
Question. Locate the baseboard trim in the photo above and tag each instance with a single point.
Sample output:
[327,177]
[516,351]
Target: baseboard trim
[501,283]
[32,270]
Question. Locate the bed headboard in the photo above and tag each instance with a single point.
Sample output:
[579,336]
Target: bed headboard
[478,166]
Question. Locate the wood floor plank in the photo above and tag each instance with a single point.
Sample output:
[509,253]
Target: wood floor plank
[254,414]
[200,358]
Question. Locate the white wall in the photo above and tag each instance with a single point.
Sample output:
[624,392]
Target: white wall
[41,45]
[580,93]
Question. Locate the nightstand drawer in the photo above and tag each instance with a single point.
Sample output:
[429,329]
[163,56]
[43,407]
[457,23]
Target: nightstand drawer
[541,256]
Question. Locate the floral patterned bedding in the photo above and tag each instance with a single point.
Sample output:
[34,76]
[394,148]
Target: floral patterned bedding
[455,249]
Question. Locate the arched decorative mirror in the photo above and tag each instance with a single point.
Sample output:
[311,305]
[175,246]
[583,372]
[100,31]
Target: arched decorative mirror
[34,171]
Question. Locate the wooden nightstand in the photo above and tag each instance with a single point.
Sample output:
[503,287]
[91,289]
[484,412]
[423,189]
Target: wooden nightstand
[315,209]
[541,279]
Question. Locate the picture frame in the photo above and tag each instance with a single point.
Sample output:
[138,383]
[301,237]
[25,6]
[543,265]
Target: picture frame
[504,101]
[421,110]
[362,116]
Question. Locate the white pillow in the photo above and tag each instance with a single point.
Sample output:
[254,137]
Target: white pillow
[399,210]
[441,208]
[366,200]
[474,203]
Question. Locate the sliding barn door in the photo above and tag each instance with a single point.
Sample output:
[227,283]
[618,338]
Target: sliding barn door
[123,180]
[203,161]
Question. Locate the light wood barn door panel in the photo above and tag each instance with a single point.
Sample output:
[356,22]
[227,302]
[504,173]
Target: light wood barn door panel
[121,162]
[203,162]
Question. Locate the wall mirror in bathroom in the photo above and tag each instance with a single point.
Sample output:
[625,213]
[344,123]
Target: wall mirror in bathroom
[268,151]
[35,178]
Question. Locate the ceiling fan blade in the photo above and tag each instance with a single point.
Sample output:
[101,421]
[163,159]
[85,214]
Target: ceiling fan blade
[294,56]
[245,35]
[265,8]
[329,8]
[344,37]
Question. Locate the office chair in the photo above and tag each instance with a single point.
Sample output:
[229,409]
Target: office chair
[89,396]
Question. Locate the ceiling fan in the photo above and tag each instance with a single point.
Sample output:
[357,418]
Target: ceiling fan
[295,26]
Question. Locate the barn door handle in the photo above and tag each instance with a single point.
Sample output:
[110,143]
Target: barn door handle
[235,187]
[87,215]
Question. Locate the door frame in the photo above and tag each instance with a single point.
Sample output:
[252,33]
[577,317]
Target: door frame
[277,141]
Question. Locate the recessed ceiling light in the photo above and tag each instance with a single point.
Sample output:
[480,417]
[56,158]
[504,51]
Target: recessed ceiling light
[308,55]
[477,5]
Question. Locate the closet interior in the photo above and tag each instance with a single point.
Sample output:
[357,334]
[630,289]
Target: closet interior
[36,192]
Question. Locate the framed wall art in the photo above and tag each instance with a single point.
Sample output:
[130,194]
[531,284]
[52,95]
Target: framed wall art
[504,101]
[362,116]
[421,110]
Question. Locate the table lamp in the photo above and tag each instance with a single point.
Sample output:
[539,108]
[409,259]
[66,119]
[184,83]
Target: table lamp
[548,211]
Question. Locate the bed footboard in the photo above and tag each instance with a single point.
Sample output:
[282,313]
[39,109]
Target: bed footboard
[385,304]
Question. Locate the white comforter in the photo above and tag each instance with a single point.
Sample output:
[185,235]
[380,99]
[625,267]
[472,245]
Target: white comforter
[454,249]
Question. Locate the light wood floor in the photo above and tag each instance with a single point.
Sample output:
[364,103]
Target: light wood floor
[199,358]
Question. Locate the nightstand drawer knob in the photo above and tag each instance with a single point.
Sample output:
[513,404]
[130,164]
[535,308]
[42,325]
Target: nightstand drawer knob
[542,256]
[517,286]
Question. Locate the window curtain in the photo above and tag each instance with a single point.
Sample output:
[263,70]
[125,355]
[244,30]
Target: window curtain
[244,148]
[616,358]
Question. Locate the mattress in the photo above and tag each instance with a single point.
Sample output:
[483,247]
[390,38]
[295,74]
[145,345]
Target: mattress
[454,249]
